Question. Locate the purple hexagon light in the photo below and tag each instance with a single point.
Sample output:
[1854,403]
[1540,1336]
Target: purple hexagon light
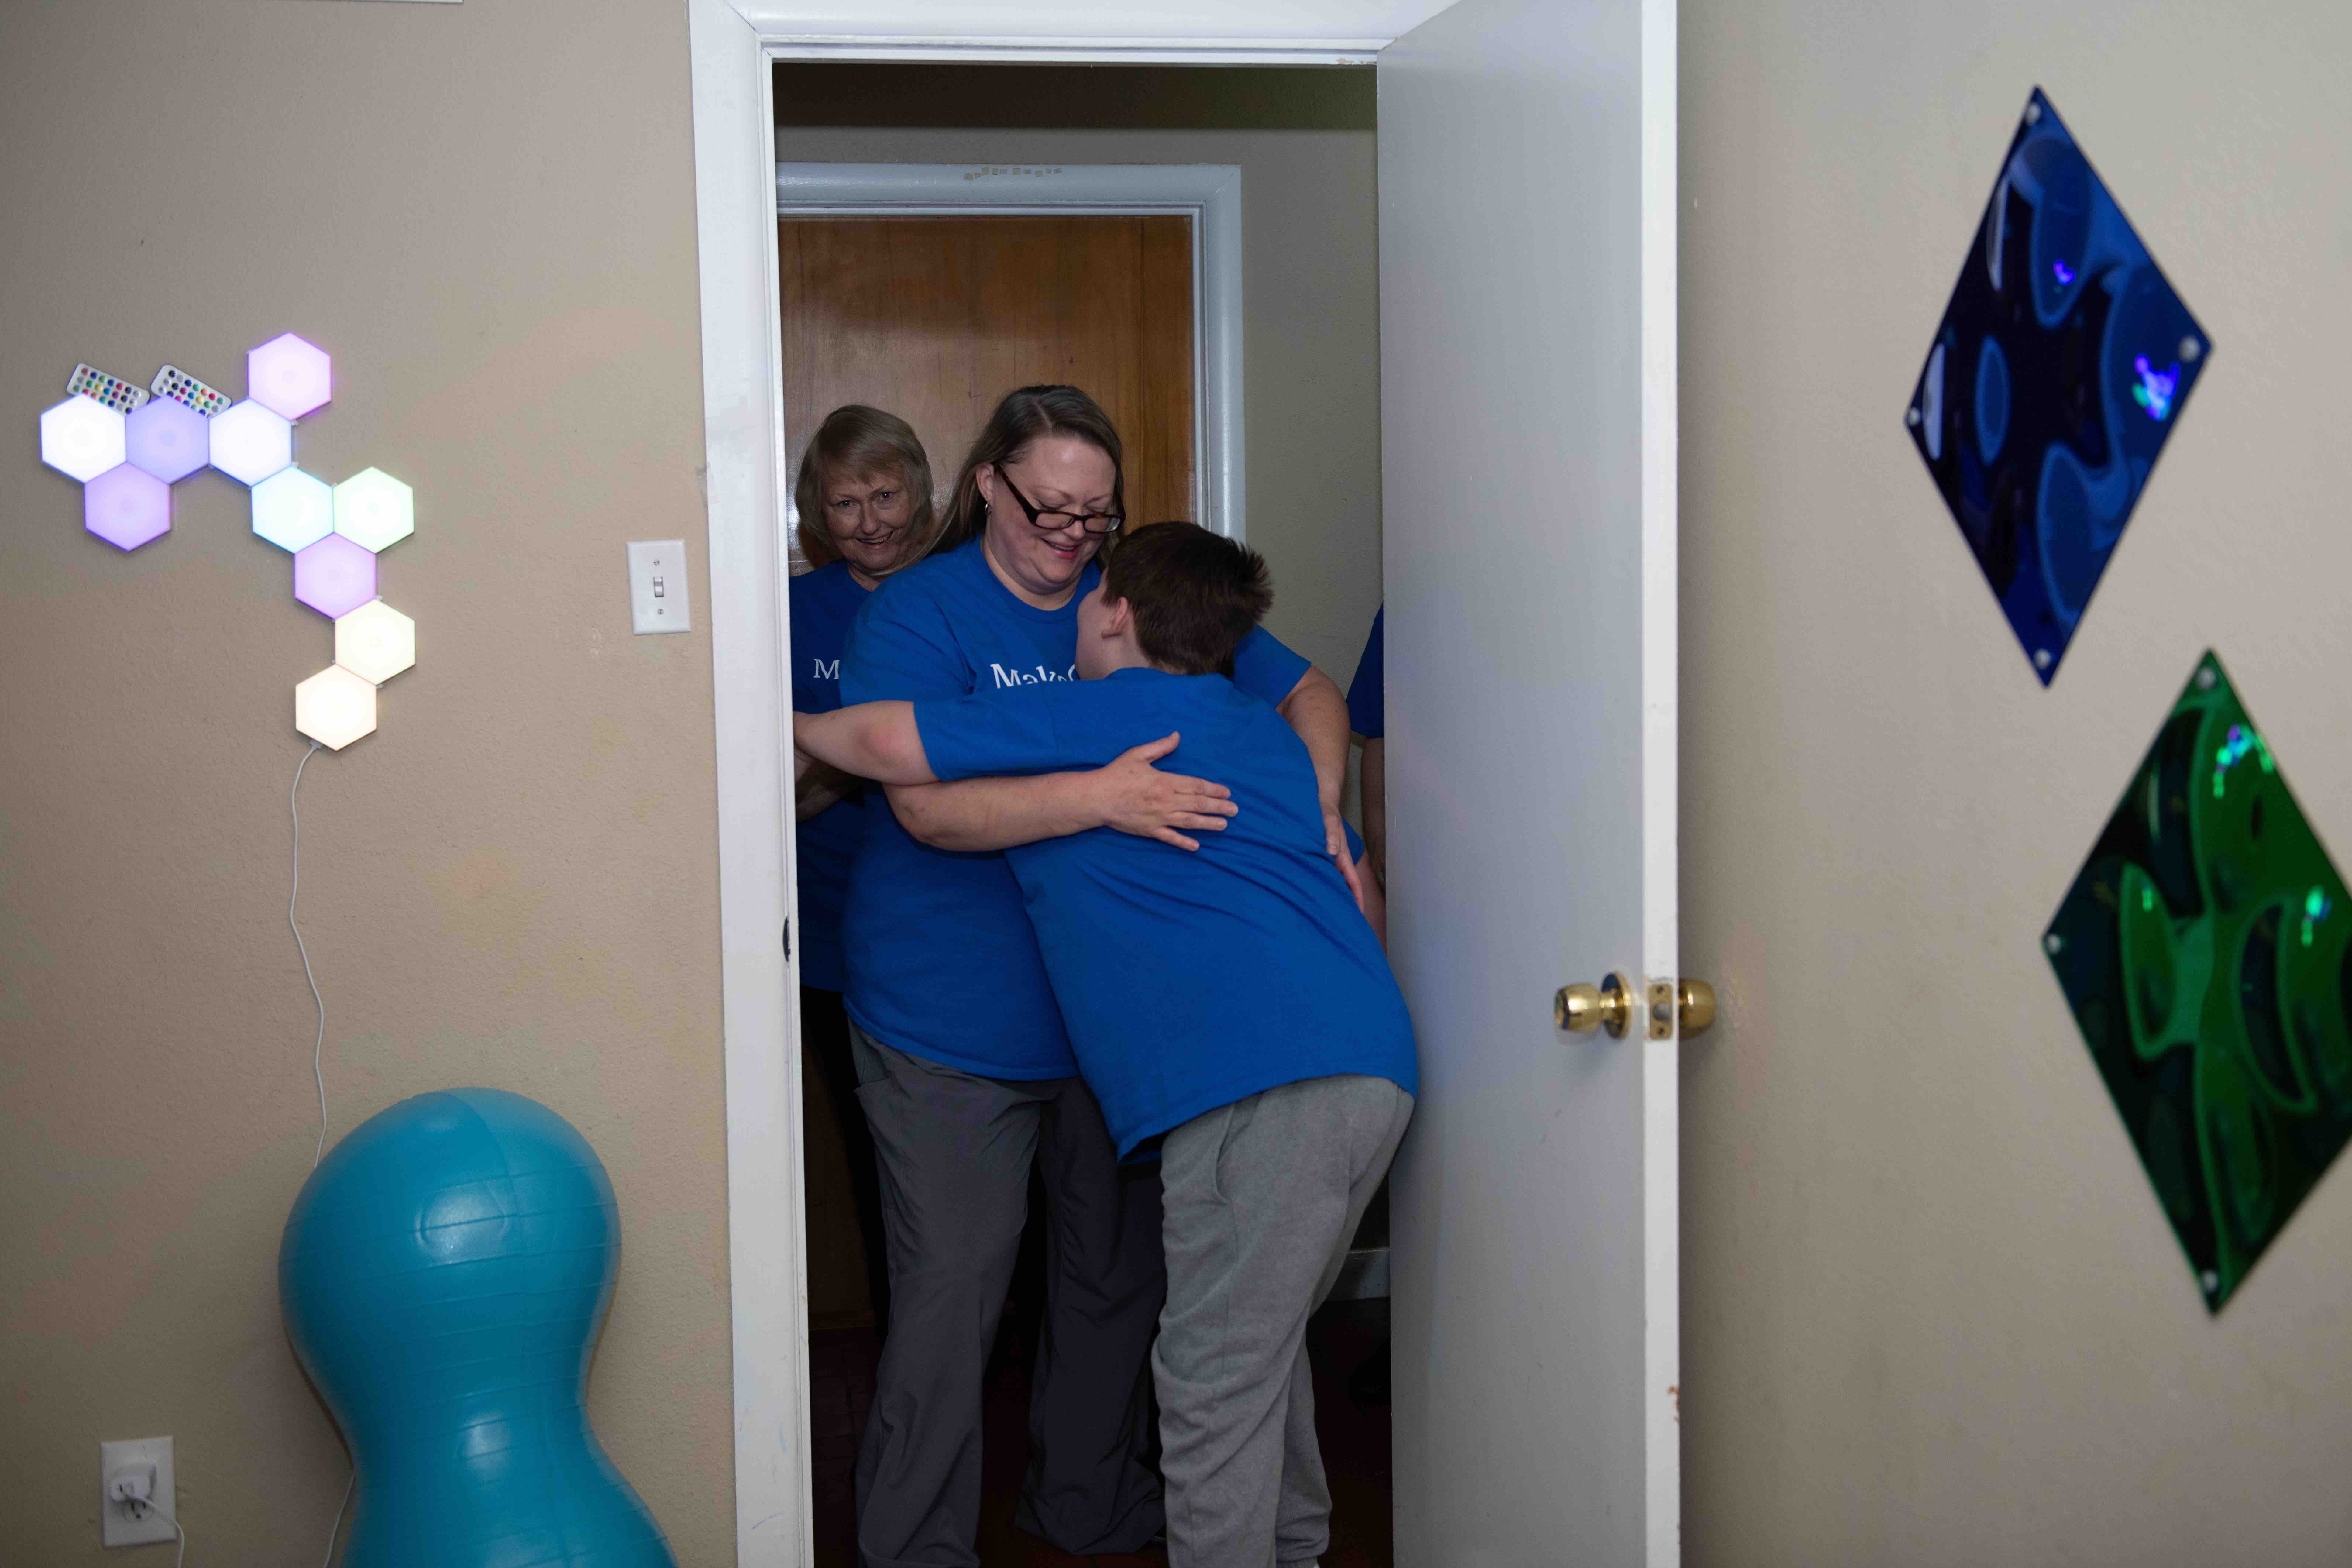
[334,576]
[288,375]
[127,506]
[170,440]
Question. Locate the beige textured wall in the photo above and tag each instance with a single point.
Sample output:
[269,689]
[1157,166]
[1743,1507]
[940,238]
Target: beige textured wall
[485,212]
[1310,278]
[1934,1314]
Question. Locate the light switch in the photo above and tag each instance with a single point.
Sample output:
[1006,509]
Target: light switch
[657,597]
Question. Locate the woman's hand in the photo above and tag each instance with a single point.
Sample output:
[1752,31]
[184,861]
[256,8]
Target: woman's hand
[1136,797]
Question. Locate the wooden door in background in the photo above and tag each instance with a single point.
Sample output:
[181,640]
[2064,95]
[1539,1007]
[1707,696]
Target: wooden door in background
[935,318]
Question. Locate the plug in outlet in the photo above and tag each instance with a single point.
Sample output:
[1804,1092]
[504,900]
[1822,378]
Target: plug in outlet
[141,1465]
[657,586]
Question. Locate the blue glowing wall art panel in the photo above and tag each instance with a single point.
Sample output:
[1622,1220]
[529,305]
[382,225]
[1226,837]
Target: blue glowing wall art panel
[2062,362]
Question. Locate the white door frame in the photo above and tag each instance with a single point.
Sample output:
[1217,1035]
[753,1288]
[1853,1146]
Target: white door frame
[731,45]
[1208,193]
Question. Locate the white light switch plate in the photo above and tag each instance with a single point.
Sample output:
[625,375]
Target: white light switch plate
[658,600]
[119,1526]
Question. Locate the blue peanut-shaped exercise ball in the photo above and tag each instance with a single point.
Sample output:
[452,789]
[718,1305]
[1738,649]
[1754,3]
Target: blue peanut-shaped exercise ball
[443,1275]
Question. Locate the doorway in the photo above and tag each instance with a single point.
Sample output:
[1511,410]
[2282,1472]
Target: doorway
[933,318]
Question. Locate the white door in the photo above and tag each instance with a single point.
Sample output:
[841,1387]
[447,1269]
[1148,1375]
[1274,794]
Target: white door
[1527,169]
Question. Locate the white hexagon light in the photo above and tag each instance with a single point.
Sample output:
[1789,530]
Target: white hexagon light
[334,708]
[288,375]
[293,510]
[375,510]
[250,442]
[375,642]
[82,437]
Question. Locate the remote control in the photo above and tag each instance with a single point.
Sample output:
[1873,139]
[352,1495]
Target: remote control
[112,390]
[177,384]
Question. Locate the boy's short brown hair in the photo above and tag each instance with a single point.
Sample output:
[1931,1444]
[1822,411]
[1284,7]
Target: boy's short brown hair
[1194,594]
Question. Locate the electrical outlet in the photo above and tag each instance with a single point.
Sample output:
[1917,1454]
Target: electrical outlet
[122,1525]
[657,586]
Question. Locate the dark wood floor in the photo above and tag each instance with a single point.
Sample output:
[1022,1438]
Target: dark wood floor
[1348,1343]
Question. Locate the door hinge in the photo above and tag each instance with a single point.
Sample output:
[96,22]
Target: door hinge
[788,938]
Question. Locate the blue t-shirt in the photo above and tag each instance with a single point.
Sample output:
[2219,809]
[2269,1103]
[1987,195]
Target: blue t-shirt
[941,961]
[823,602]
[1189,979]
[1368,693]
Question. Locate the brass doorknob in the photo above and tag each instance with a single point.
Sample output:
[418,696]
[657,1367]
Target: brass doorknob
[1580,1008]
[1698,999]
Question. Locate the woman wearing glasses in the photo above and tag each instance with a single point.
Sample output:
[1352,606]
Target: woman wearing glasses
[964,1071]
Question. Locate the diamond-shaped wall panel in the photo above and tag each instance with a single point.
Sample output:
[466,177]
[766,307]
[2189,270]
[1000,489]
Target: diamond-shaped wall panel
[2061,364]
[2206,949]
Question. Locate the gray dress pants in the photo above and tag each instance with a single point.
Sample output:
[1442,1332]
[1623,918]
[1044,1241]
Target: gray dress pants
[1262,1197]
[955,1151]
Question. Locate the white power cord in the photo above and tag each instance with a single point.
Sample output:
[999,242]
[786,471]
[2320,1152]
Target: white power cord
[318,1047]
[328,1561]
[317,1072]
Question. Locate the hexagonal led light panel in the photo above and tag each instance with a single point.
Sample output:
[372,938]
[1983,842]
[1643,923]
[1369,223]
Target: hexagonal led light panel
[126,507]
[334,708]
[334,576]
[170,440]
[373,509]
[250,442]
[293,510]
[288,375]
[127,464]
[2205,948]
[81,437]
[375,642]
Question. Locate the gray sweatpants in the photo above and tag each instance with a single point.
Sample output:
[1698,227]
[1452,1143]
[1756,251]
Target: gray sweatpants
[1261,1198]
[955,1151]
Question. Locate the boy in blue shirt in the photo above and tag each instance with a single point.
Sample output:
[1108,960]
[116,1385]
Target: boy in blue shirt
[1230,1003]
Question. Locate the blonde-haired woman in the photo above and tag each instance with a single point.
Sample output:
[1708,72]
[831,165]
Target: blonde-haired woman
[864,497]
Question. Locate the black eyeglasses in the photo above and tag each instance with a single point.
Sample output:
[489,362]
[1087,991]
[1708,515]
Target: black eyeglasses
[1055,521]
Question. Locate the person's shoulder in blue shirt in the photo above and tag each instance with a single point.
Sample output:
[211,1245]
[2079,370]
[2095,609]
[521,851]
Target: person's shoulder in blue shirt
[1188,980]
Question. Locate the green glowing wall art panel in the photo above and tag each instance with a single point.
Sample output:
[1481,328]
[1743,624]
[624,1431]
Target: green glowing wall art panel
[2205,947]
